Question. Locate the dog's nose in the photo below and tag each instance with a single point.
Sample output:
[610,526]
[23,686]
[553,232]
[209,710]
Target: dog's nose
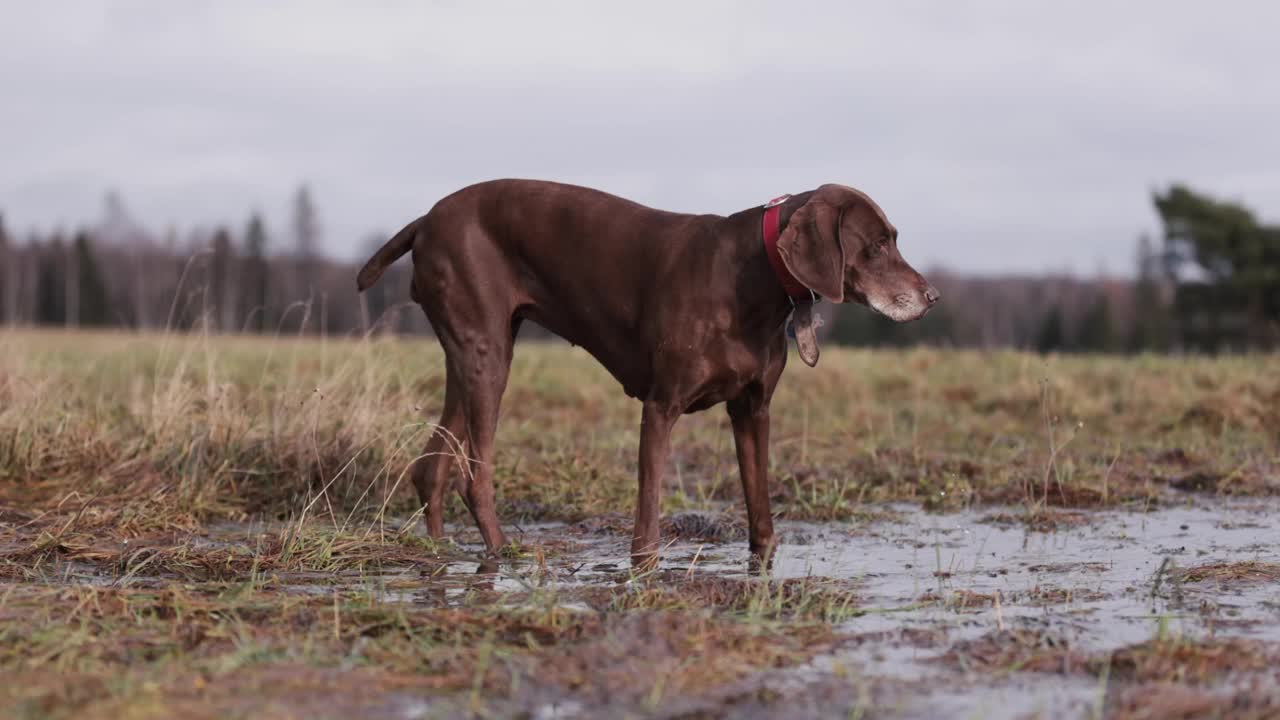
[932,295]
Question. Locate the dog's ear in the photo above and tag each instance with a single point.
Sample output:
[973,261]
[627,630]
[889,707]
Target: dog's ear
[810,248]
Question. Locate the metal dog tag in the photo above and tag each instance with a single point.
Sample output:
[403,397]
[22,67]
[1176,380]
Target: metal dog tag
[804,325]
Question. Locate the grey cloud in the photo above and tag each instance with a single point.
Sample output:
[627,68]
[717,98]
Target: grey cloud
[998,136]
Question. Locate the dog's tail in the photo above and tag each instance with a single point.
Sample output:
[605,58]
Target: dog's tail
[387,254]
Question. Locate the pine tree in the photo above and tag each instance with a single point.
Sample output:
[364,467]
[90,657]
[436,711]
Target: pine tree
[377,299]
[1235,300]
[1097,330]
[51,293]
[1150,330]
[221,293]
[254,308]
[306,227]
[70,286]
[1052,336]
[94,304]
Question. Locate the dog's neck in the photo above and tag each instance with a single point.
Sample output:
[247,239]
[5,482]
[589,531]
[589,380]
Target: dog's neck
[760,294]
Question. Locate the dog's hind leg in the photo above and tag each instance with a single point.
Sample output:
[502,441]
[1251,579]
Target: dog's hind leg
[470,293]
[446,447]
[483,361]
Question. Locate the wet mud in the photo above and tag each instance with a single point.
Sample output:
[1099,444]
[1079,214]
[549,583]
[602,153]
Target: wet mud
[988,613]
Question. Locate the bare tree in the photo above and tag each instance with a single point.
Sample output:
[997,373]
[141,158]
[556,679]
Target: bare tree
[8,278]
[306,234]
[118,228]
[26,274]
[71,278]
[222,282]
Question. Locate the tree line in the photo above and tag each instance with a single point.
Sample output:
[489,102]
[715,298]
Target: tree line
[116,273]
[1210,283]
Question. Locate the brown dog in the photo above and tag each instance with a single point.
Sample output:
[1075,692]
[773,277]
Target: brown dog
[686,311]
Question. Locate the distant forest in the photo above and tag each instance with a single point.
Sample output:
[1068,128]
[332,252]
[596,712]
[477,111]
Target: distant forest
[1211,283]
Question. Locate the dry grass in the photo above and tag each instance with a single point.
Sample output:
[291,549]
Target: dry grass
[200,526]
[1162,678]
[1162,659]
[206,649]
[79,645]
[796,599]
[1186,661]
[1231,572]
[192,429]
[1168,701]
[1005,651]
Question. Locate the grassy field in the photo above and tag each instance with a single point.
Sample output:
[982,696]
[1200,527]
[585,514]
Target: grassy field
[221,526]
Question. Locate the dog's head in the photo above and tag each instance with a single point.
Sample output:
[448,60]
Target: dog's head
[840,245]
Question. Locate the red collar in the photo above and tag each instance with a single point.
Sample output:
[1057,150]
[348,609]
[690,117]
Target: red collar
[793,287]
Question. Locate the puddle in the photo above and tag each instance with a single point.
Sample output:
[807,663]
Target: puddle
[930,581]
[1106,583]
[925,584]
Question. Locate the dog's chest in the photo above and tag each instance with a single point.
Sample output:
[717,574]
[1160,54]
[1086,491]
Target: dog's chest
[720,367]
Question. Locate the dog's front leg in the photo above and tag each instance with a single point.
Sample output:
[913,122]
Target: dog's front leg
[656,422]
[749,414]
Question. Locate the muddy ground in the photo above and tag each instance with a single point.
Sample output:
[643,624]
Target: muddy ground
[222,527]
[1118,613]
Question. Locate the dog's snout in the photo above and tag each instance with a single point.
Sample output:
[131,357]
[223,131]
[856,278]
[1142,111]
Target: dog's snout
[932,295]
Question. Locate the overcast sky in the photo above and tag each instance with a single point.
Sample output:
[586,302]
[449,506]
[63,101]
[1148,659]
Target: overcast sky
[998,136]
